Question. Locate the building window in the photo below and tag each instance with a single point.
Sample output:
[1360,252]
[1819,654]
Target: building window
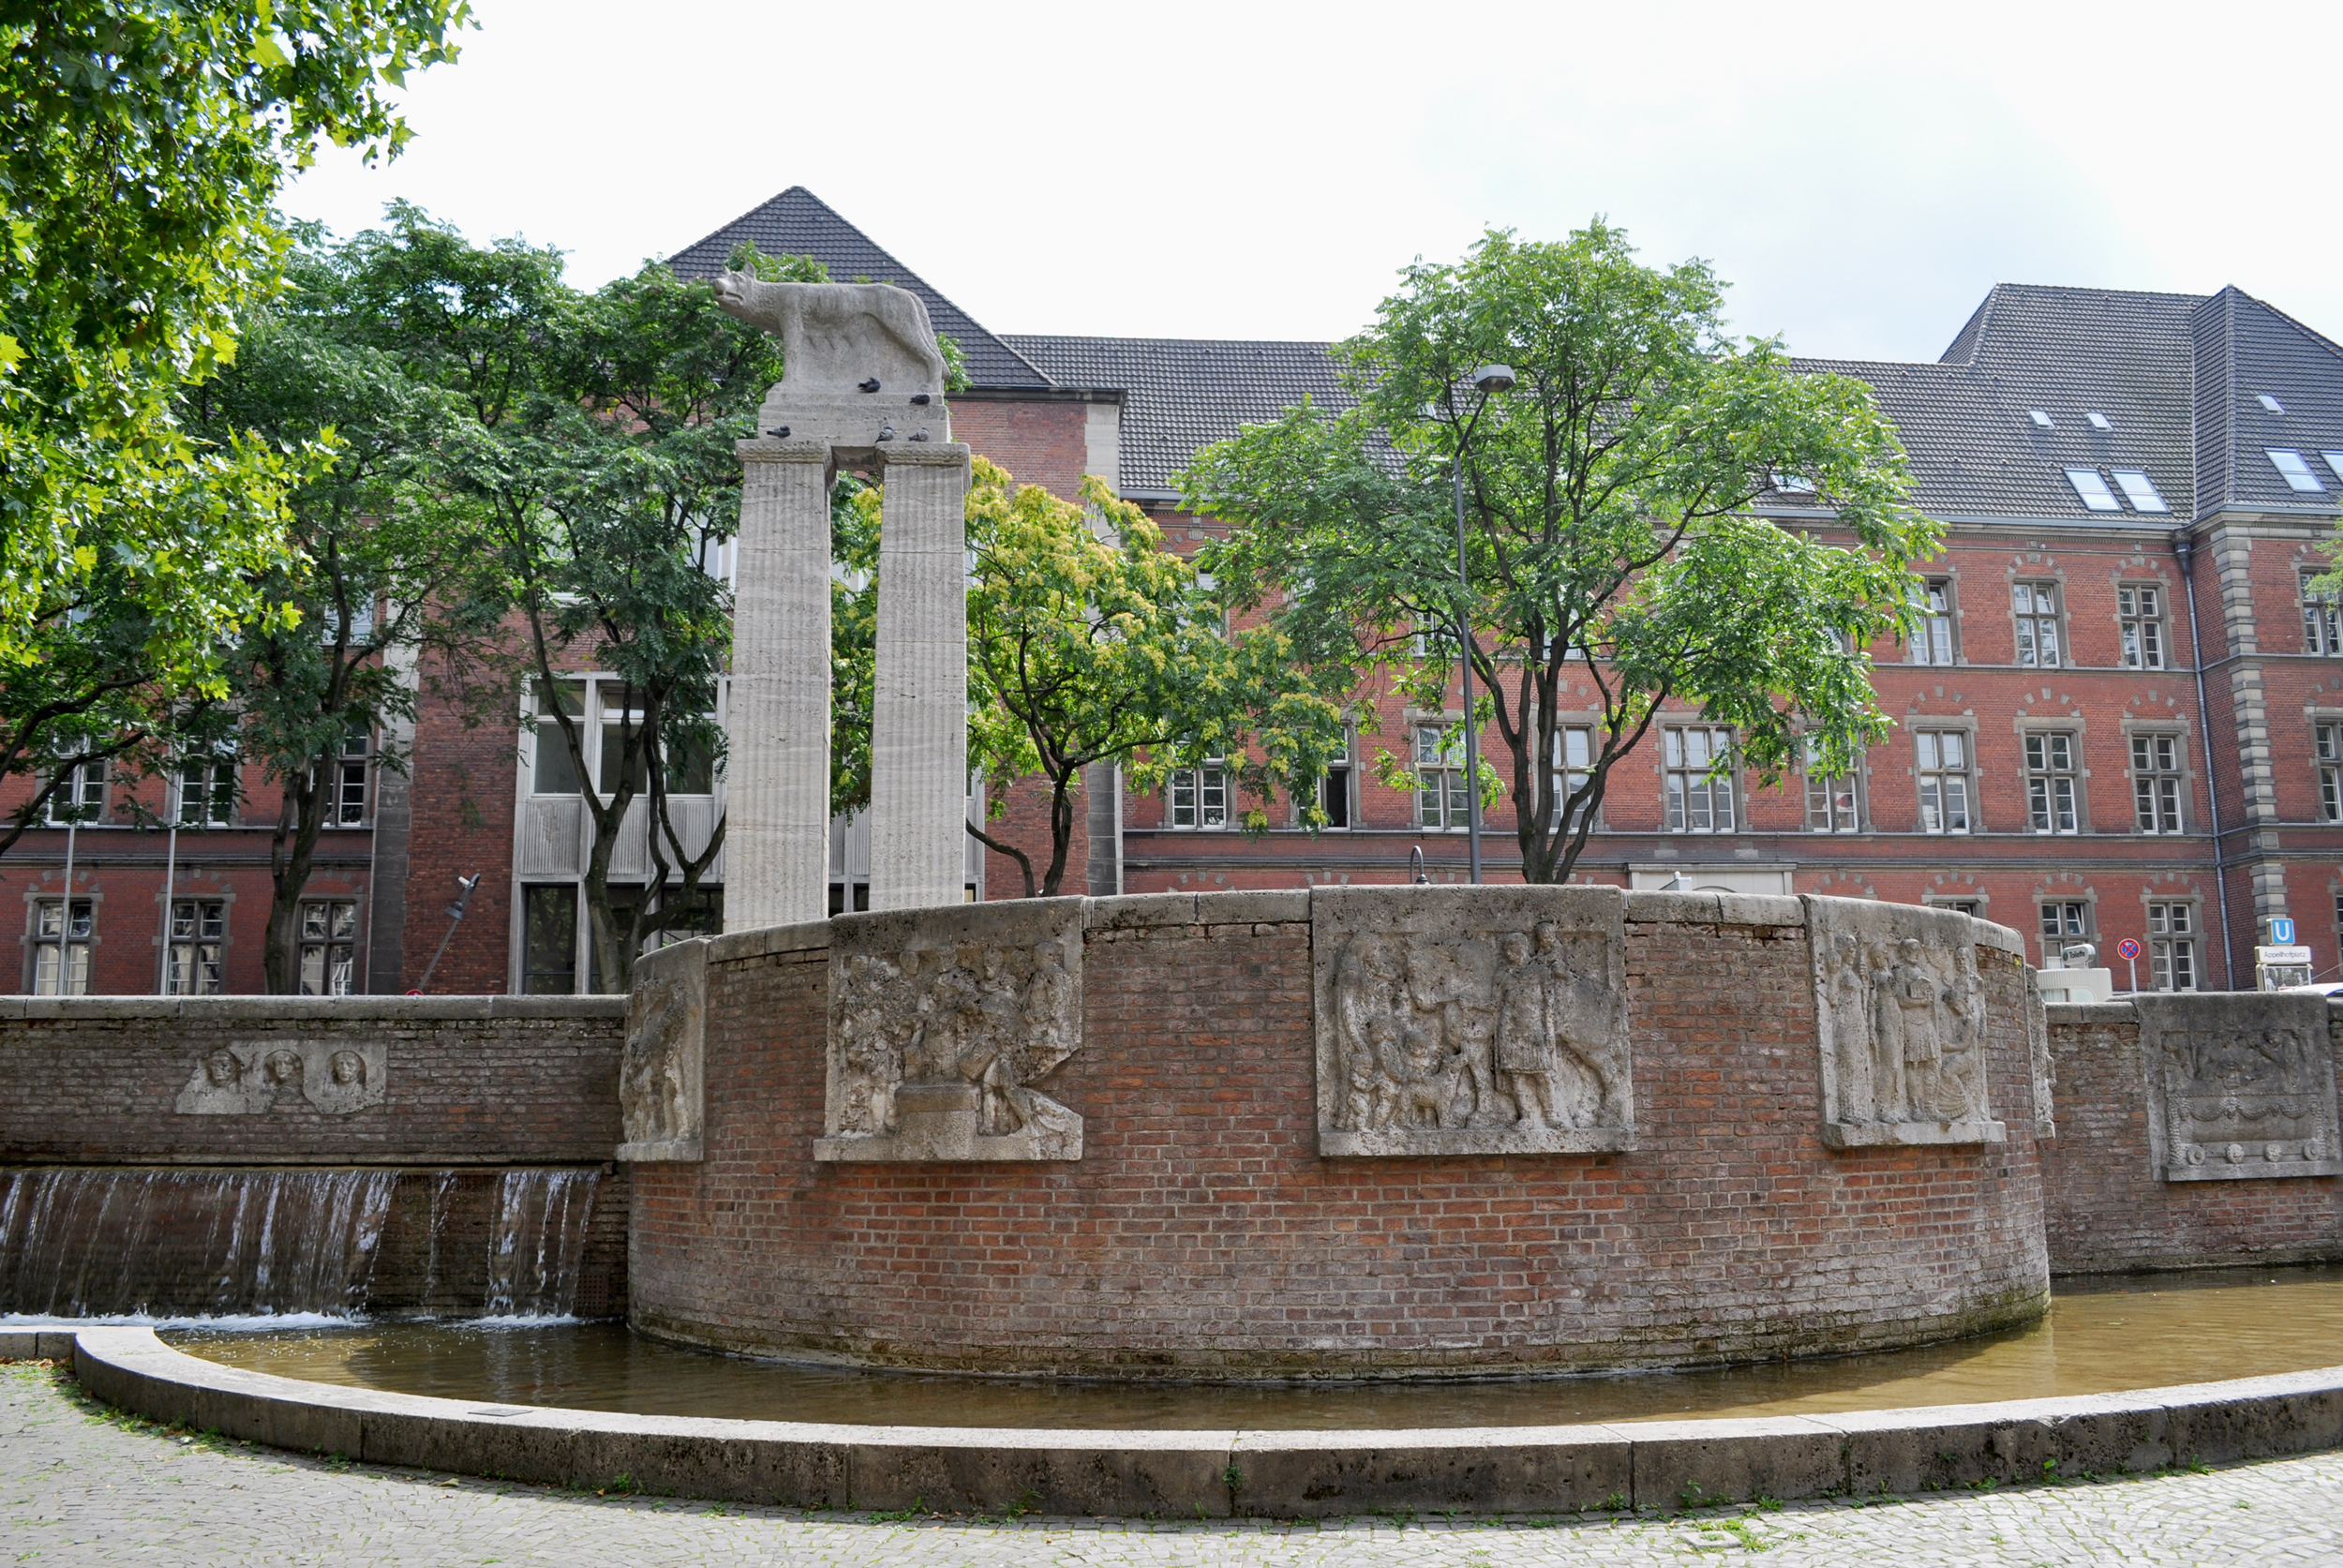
[1931,640]
[2328,740]
[347,804]
[1944,757]
[1959,906]
[1443,802]
[83,796]
[2051,786]
[2293,470]
[1829,797]
[556,771]
[61,949]
[1199,795]
[2037,604]
[2172,947]
[199,929]
[2064,922]
[1699,779]
[2141,609]
[1334,789]
[206,786]
[2156,782]
[550,940]
[1574,766]
[2322,626]
[329,936]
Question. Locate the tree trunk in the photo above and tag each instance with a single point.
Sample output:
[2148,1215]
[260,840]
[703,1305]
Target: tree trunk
[292,850]
[1061,830]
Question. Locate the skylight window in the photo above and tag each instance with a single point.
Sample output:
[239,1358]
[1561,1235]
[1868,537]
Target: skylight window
[2099,421]
[2139,490]
[2271,403]
[2039,418]
[2297,473]
[2335,461]
[1792,484]
[2093,490]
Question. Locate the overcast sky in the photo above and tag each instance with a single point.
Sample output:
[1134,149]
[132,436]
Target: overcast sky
[1861,174]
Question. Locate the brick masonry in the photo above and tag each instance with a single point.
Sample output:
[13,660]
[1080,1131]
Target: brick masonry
[471,1080]
[1201,1232]
[2108,1212]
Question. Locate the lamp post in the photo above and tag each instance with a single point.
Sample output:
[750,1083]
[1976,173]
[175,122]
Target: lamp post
[1489,379]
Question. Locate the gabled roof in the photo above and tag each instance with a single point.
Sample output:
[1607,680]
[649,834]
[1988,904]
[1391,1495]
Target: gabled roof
[797,222]
[1182,393]
[2245,349]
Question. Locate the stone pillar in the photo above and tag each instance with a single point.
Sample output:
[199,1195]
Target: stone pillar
[777,725]
[920,711]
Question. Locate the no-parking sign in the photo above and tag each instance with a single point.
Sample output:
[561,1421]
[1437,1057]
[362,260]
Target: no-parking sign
[2127,950]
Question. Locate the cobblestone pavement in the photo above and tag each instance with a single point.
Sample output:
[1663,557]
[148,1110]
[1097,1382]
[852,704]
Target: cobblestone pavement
[78,1484]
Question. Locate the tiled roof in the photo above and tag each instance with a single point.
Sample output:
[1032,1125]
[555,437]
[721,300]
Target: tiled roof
[798,223]
[2174,375]
[1180,393]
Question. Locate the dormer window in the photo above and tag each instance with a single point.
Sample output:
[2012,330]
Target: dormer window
[2099,421]
[2093,490]
[2041,420]
[2271,403]
[2139,490]
[2293,470]
[1791,484]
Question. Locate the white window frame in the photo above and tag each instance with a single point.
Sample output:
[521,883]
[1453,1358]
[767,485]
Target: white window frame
[2326,746]
[1204,790]
[1571,767]
[1935,643]
[2038,630]
[2159,771]
[82,799]
[318,941]
[1947,789]
[1698,781]
[2323,618]
[196,964]
[64,945]
[2173,944]
[1834,801]
[2139,618]
[2053,780]
[2074,920]
[1443,803]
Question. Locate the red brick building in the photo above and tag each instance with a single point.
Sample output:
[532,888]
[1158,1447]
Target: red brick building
[2124,720]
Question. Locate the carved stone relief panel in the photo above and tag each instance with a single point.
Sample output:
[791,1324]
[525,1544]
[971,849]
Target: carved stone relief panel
[1900,1009]
[1454,1020]
[2241,1084]
[942,1022]
[243,1077]
[661,1073]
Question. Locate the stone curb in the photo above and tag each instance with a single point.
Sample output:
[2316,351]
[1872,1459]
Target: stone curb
[1665,1464]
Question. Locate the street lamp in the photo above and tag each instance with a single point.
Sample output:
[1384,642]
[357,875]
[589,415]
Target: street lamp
[1489,379]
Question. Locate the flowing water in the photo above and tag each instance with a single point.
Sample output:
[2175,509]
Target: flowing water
[2099,1336]
[144,1243]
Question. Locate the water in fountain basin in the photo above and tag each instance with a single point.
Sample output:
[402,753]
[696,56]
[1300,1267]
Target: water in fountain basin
[539,1243]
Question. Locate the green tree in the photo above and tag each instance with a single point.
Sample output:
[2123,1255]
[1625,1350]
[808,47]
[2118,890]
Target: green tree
[374,550]
[1090,643]
[142,144]
[1609,540]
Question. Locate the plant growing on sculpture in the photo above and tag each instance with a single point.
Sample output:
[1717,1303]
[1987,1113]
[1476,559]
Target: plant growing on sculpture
[141,147]
[375,550]
[1090,643]
[1615,570]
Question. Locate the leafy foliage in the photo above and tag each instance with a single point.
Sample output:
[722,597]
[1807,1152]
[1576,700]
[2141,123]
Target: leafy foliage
[1614,566]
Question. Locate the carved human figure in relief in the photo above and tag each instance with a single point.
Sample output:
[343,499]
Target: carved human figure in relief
[1525,1033]
[836,336]
[282,1073]
[1584,1095]
[1917,1000]
[1847,997]
[1890,1096]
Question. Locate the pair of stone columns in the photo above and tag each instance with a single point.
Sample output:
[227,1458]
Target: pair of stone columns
[777,836]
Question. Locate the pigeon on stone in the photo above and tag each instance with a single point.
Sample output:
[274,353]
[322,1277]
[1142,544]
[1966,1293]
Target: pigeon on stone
[887,432]
[778,432]
[921,398]
[871,385]
[920,434]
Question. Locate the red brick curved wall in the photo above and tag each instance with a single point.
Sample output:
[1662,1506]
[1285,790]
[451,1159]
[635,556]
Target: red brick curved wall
[1201,1231]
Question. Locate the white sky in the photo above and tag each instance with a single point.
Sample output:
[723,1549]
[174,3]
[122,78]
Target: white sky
[1860,173]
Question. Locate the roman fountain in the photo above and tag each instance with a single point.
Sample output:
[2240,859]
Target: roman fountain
[1298,1202]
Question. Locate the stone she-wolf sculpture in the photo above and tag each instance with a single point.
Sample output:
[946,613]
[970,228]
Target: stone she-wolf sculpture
[1471,1021]
[662,1094]
[1900,1006]
[941,1023]
[836,336]
[2239,1086]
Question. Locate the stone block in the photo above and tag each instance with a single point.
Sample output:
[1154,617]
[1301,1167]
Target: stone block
[942,1022]
[794,1465]
[1999,938]
[1680,909]
[1925,1448]
[919,710]
[1689,1464]
[1275,906]
[662,1070]
[337,1076]
[2241,1086]
[1900,1026]
[1171,1474]
[1500,1469]
[808,937]
[1455,1020]
[1142,911]
[512,1443]
[2253,1418]
[557,1007]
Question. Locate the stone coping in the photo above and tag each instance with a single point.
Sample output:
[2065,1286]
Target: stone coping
[1219,1473]
[2123,1012]
[1291,905]
[239,1009]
